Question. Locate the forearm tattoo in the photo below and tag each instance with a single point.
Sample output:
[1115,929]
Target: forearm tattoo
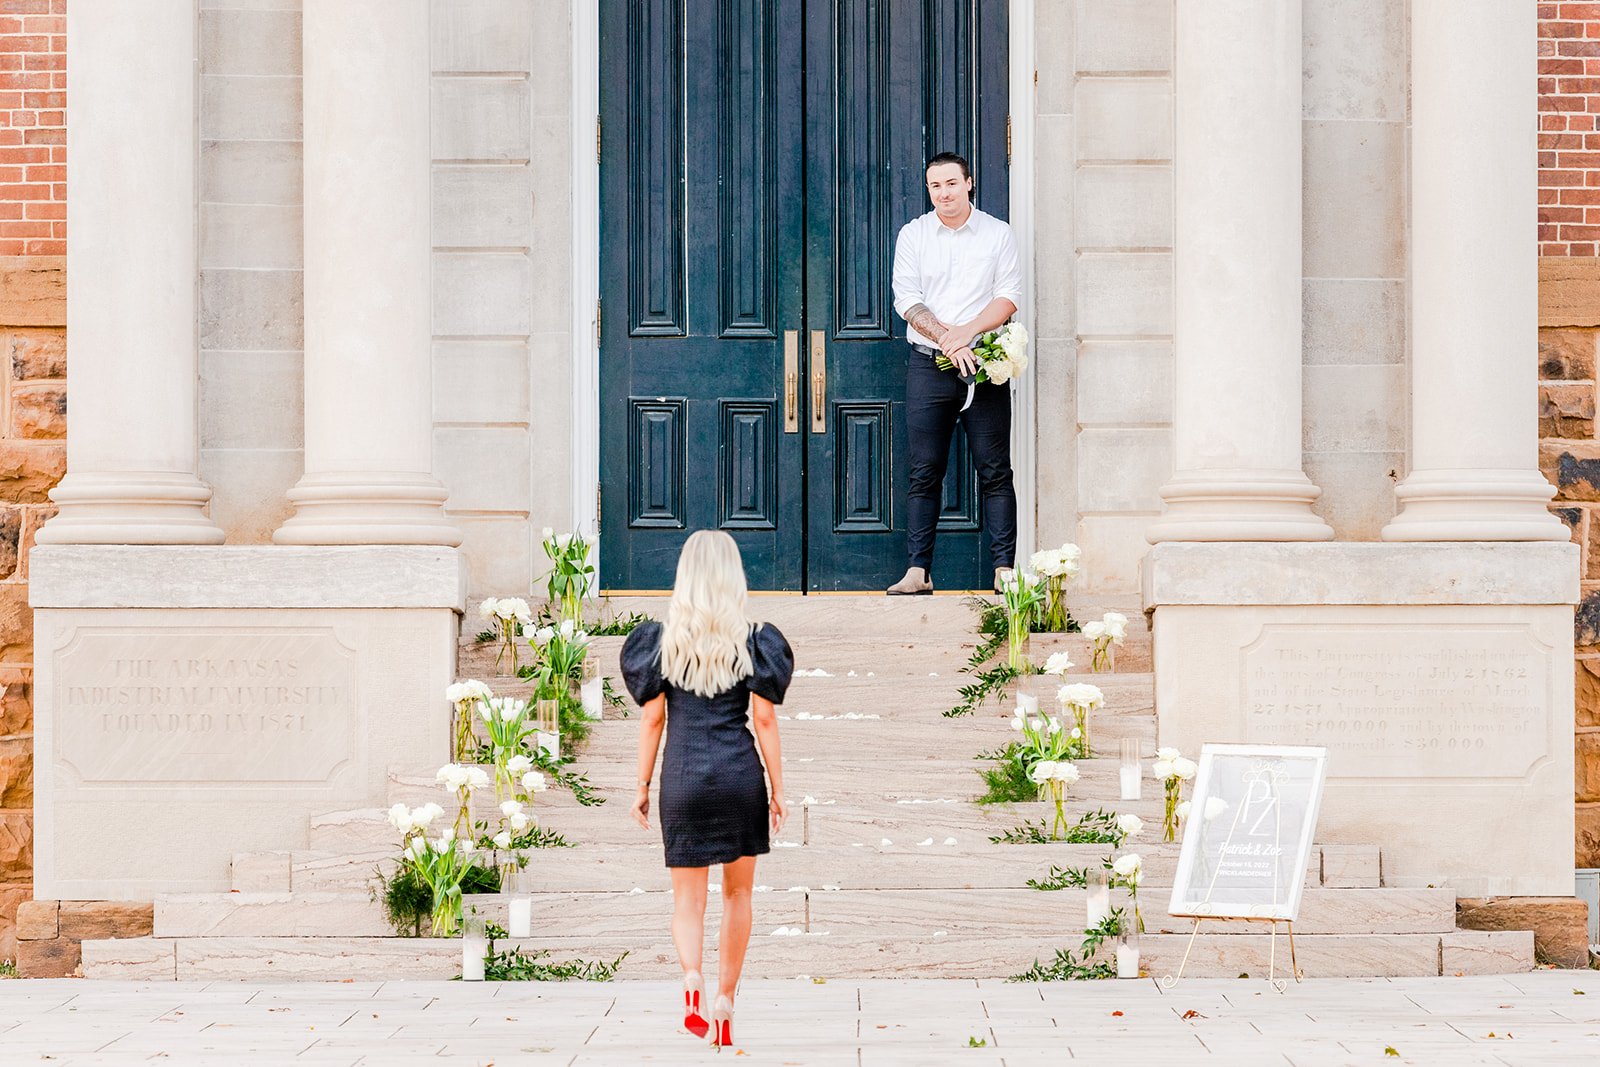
[925,322]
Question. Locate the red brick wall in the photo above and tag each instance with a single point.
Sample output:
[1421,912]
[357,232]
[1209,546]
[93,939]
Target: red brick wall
[33,128]
[1569,145]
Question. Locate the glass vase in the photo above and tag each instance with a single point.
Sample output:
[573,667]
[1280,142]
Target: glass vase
[1099,899]
[1129,775]
[547,725]
[474,947]
[1169,818]
[1128,951]
[1018,634]
[591,690]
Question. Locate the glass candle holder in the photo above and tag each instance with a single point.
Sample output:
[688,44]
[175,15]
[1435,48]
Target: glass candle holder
[517,885]
[1128,952]
[547,725]
[591,690]
[474,947]
[1130,774]
[1099,886]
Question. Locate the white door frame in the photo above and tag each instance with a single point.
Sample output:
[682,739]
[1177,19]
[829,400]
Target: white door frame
[586,269]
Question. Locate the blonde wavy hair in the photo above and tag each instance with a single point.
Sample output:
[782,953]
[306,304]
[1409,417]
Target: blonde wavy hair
[704,641]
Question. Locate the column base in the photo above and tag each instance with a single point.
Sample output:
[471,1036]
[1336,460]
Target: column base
[1239,505]
[1475,505]
[363,508]
[130,508]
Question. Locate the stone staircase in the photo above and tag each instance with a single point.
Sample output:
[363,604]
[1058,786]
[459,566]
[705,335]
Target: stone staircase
[884,869]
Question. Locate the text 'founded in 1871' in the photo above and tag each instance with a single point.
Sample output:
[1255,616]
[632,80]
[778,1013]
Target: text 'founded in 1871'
[1450,701]
[151,705]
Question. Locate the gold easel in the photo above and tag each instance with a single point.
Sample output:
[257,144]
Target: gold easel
[1280,984]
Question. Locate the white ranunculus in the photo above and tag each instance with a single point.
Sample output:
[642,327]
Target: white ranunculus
[1081,695]
[999,371]
[1215,806]
[509,808]
[423,817]
[1182,810]
[477,778]
[1162,769]
[502,839]
[1094,631]
[452,776]
[518,764]
[1042,772]
[1168,754]
[1127,866]
[519,822]
[1130,824]
[534,782]
[1058,664]
[400,819]
[1066,772]
[1046,562]
[456,692]
[1116,625]
[1071,551]
[1184,768]
[489,608]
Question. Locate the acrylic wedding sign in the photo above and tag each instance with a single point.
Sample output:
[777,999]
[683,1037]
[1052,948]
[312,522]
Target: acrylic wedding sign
[1247,840]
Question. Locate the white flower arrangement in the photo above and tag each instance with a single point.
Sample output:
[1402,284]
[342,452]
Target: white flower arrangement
[571,573]
[462,696]
[1103,637]
[1059,664]
[1127,871]
[1172,770]
[1080,698]
[1056,566]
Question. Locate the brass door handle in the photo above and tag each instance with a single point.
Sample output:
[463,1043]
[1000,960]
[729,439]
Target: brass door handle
[819,383]
[791,381]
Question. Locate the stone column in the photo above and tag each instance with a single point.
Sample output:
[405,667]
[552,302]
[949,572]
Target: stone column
[368,281]
[133,350]
[1474,280]
[1237,192]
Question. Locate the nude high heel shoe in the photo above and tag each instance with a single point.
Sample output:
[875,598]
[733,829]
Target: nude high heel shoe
[722,1023]
[693,1021]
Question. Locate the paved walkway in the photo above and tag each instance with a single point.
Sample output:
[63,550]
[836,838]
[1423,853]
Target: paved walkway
[1540,1018]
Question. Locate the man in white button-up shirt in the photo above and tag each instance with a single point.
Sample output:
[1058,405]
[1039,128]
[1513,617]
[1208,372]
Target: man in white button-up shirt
[956,276]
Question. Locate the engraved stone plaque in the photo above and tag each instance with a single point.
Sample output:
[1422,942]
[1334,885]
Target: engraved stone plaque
[195,705]
[1387,701]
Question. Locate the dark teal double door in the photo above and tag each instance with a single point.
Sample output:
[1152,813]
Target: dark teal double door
[757,161]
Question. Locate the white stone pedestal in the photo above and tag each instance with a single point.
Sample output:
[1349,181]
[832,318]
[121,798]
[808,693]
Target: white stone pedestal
[193,702]
[1439,676]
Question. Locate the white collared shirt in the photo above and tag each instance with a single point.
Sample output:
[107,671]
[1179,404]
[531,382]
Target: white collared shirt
[954,271]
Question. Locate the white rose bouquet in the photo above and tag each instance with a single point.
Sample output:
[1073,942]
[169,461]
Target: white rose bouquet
[571,573]
[1172,770]
[1054,776]
[1002,354]
[1080,698]
[462,696]
[508,615]
[1126,871]
[1111,630]
[1056,566]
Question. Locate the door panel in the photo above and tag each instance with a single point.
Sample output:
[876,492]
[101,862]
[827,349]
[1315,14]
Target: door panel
[701,209]
[888,83]
[758,161]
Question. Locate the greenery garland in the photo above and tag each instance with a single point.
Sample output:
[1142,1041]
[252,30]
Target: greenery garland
[519,966]
[1069,966]
[1097,827]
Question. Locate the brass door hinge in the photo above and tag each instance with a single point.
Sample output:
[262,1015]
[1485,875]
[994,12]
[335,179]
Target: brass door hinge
[597,138]
[1008,138]
[597,489]
[597,324]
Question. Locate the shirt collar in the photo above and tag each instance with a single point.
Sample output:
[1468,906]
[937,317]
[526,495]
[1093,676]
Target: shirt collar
[967,225]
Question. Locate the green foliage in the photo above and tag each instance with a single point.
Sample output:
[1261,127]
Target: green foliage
[991,631]
[539,837]
[1007,781]
[977,1042]
[8,969]
[613,699]
[621,626]
[519,966]
[485,636]
[990,685]
[1080,966]
[408,902]
[1097,827]
[1029,833]
[1061,878]
[578,784]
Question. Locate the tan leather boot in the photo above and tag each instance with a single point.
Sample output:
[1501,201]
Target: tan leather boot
[915,583]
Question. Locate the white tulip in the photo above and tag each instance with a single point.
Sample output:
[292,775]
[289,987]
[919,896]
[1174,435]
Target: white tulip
[546,534]
[400,819]
[1037,724]
[489,608]
[1215,806]
[1066,772]
[1076,733]
[518,764]
[1162,769]
[502,839]
[1167,753]
[1058,664]
[423,817]
[418,847]
[563,541]
[1184,768]
[1055,726]
[1017,721]
[534,782]
[1130,824]
[1127,866]
[542,636]
[486,710]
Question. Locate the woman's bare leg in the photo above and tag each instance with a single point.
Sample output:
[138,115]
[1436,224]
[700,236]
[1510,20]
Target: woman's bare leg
[738,878]
[689,915]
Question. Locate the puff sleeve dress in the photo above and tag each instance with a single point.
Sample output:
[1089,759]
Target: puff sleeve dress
[713,793]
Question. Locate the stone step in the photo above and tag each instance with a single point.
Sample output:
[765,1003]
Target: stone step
[871,913]
[259,959]
[906,866]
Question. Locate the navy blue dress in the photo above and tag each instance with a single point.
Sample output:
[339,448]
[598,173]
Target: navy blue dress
[713,797]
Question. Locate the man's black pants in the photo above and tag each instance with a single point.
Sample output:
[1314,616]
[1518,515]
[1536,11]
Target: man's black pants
[933,407]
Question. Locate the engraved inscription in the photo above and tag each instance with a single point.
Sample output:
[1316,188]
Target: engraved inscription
[159,706]
[1402,702]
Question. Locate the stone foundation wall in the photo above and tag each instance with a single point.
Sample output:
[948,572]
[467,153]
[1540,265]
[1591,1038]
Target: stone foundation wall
[50,933]
[33,457]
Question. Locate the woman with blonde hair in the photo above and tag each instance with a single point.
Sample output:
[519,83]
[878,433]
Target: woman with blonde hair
[703,675]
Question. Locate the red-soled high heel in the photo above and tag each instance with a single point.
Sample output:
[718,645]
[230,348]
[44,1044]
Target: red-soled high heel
[722,1023]
[693,1021]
